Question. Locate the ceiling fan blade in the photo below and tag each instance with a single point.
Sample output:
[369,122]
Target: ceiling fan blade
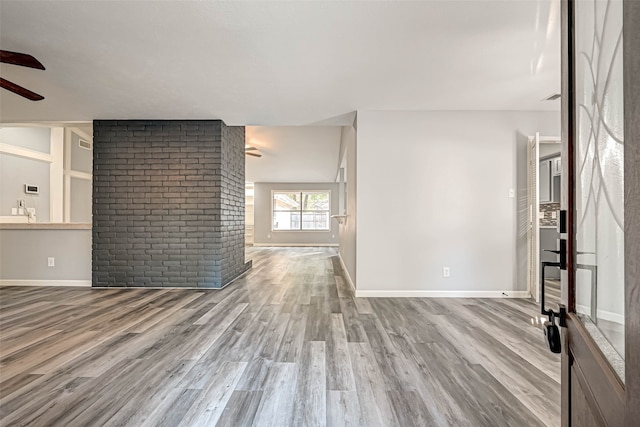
[21,59]
[249,148]
[19,90]
[252,154]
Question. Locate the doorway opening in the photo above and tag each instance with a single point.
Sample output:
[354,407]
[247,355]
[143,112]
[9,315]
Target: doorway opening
[544,176]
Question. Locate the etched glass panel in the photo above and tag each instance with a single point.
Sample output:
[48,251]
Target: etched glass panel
[599,172]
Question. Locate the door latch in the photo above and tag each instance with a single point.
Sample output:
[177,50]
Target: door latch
[551,330]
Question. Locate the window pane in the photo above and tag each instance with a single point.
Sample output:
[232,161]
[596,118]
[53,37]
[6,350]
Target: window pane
[315,201]
[315,220]
[599,176]
[286,201]
[286,220]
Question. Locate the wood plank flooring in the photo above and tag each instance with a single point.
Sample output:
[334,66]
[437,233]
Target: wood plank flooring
[286,345]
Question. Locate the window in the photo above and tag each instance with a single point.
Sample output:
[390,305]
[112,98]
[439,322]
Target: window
[301,210]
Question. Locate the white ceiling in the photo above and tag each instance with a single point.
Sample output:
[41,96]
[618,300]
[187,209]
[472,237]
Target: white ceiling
[293,153]
[278,63]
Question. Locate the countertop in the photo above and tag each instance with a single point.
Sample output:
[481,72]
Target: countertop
[45,226]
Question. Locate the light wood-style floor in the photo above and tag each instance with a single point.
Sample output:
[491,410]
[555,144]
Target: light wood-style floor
[287,345]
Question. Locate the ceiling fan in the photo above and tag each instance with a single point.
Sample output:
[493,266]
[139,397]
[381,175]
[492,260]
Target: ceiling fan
[22,60]
[249,151]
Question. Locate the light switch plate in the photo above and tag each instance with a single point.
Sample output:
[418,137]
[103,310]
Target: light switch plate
[512,193]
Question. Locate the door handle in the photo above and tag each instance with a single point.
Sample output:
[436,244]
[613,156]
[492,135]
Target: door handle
[551,331]
[563,254]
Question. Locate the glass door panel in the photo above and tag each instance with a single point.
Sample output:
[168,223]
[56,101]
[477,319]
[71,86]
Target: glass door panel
[599,173]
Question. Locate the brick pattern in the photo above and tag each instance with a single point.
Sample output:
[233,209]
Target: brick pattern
[165,203]
[233,199]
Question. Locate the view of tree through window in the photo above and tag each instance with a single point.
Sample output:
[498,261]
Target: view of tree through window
[301,210]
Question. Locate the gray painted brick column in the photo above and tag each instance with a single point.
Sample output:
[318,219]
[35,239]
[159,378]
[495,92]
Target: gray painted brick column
[168,203]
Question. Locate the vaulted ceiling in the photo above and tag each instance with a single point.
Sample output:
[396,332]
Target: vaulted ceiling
[278,63]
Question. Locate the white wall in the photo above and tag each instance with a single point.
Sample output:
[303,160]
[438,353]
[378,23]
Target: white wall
[16,171]
[433,191]
[32,138]
[263,236]
[25,253]
[50,158]
[348,230]
[292,153]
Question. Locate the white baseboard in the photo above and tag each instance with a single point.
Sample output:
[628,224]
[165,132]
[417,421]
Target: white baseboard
[602,314]
[77,283]
[296,245]
[346,273]
[441,294]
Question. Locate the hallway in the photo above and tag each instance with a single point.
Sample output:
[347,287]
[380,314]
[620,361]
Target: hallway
[287,344]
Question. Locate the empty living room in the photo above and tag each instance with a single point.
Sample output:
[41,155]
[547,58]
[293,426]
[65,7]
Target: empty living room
[309,213]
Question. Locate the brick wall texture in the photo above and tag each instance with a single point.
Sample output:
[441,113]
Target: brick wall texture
[168,203]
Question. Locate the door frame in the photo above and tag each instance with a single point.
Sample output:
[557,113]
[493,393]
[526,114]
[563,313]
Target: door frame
[533,205]
[631,43]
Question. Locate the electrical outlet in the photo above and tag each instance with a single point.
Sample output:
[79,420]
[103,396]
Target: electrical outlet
[14,211]
[51,261]
[268,236]
[446,272]
[512,193]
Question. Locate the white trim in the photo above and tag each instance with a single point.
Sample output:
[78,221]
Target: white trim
[68,172]
[25,152]
[56,176]
[14,219]
[82,134]
[441,294]
[541,138]
[602,314]
[75,283]
[346,273]
[296,245]
[80,175]
[67,179]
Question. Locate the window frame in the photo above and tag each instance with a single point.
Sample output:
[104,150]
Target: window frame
[298,230]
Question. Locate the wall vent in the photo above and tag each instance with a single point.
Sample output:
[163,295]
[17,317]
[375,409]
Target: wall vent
[83,143]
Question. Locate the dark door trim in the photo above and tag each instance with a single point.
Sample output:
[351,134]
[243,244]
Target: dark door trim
[631,46]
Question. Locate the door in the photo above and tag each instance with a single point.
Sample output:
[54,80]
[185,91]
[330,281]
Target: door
[533,238]
[600,369]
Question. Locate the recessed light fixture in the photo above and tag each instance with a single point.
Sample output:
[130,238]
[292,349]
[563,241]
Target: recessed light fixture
[552,97]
